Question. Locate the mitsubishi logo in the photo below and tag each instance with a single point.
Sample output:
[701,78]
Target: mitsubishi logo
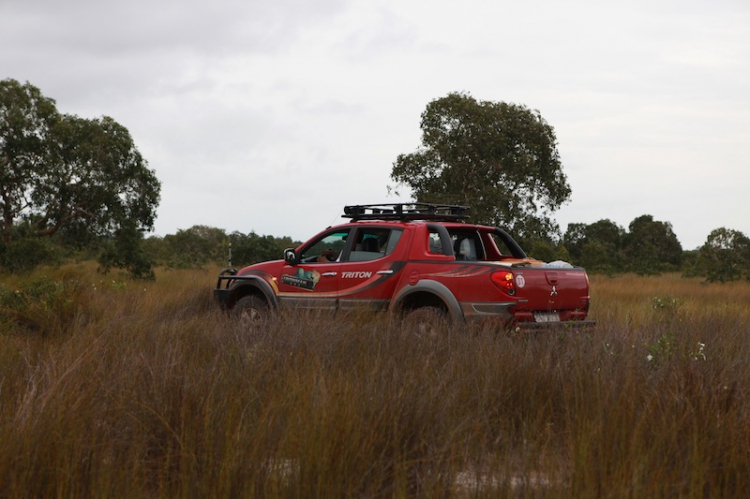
[554,292]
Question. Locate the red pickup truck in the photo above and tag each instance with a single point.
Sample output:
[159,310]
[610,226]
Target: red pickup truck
[416,260]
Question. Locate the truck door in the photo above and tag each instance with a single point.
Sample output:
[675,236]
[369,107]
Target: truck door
[370,268]
[313,282]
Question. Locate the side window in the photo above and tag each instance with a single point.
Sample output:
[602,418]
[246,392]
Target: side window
[507,246]
[326,249]
[501,246]
[440,241]
[373,243]
[435,245]
[393,240]
[467,245]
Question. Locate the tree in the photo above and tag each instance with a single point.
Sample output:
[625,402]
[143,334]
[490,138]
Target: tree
[596,246]
[75,178]
[193,247]
[574,239]
[26,118]
[125,251]
[200,244]
[725,256]
[500,159]
[251,248]
[651,247]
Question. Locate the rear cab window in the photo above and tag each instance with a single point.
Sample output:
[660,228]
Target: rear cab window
[372,243]
[473,244]
[435,245]
[465,243]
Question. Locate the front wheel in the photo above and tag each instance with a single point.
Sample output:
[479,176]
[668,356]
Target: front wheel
[251,311]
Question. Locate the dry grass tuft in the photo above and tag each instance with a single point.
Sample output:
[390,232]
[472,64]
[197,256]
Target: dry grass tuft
[111,387]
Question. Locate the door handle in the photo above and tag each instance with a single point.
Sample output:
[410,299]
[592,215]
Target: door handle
[384,272]
[328,274]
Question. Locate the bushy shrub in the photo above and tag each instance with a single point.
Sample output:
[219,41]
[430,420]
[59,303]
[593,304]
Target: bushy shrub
[42,305]
[725,256]
[125,251]
[24,255]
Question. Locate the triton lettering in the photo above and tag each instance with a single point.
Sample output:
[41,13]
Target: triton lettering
[356,275]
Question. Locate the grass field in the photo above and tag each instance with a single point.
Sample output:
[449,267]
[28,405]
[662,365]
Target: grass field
[118,388]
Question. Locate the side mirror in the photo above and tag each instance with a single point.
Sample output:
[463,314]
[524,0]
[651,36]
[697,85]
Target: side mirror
[290,257]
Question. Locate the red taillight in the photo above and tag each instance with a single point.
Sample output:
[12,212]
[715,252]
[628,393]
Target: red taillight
[504,281]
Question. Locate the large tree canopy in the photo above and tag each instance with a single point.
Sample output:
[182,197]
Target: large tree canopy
[596,246]
[651,246]
[500,159]
[62,174]
[26,118]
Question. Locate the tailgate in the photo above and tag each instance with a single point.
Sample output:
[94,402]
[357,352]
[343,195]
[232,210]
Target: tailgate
[551,289]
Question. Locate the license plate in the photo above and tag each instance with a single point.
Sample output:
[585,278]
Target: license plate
[546,317]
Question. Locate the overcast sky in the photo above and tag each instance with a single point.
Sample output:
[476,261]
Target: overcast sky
[270,116]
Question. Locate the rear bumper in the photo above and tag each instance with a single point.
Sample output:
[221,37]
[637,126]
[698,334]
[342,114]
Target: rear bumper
[504,312]
[547,326]
[474,312]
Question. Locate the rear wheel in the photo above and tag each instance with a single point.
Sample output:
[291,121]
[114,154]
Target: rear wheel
[426,320]
[251,311]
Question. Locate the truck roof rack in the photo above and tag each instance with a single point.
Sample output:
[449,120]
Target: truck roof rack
[406,211]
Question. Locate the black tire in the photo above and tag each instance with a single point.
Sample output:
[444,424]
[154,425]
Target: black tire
[251,311]
[426,321]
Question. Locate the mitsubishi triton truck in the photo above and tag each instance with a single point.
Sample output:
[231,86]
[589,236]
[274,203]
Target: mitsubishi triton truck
[415,260]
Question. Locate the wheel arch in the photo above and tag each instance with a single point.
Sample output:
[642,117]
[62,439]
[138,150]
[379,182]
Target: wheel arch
[252,286]
[427,293]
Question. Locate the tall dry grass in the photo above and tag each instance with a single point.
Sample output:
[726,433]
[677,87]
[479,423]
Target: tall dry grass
[115,388]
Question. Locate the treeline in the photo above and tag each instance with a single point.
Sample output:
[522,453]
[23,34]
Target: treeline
[195,247]
[646,247]
[201,245]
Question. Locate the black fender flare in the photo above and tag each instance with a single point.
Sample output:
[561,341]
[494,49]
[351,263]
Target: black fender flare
[435,288]
[241,282]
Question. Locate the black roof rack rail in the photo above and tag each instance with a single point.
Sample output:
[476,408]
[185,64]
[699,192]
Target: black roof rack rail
[406,211]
